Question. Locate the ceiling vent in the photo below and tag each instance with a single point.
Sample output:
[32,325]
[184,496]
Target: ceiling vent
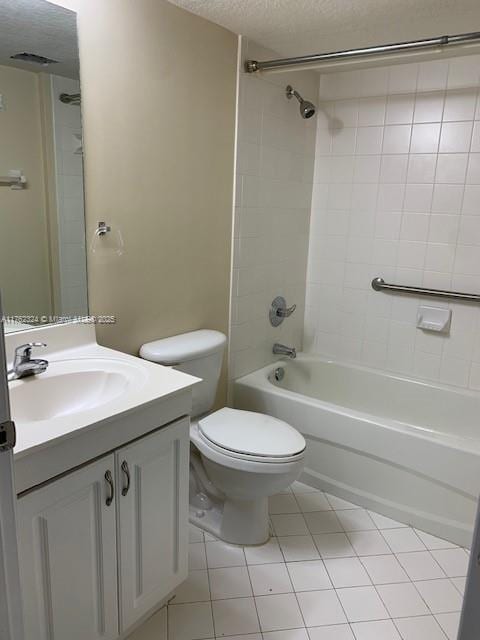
[34,58]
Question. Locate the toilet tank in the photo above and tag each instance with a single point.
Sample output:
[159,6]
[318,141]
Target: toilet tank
[199,353]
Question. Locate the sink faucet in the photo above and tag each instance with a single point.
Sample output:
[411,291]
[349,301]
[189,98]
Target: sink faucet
[282,350]
[24,365]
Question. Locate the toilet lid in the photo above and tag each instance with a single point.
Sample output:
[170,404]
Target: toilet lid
[251,433]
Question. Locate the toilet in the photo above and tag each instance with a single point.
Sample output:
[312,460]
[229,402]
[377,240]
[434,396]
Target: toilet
[238,458]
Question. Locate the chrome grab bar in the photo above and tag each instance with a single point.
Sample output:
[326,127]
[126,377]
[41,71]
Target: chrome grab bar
[379,284]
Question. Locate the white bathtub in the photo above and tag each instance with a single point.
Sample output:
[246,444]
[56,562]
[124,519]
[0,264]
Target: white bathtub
[405,448]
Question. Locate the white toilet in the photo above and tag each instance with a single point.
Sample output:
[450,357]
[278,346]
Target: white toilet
[238,458]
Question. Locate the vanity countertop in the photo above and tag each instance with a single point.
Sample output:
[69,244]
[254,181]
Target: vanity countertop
[90,401]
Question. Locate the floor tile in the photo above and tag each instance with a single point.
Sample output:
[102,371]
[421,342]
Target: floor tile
[323,522]
[356,520]
[403,540]
[323,582]
[402,600]
[423,628]
[209,537]
[220,554]
[265,553]
[155,628]
[309,575]
[453,561]
[440,595]
[296,548]
[362,604]
[377,630]
[420,565]
[334,545]
[383,522]
[195,534]
[279,612]
[384,569]
[235,616]
[301,487]
[197,558]
[288,634]
[449,623]
[347,572]
[270,578]
[459,584]
[194,589]
[335,632]
[432,542]
[289,525]
[190,621]
[247,636]
[368,543]
[283,503]
[231,582]
[340,503]
[313,502]
[321,608]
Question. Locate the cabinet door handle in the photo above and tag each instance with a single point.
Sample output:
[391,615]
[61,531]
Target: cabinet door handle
[126,473]
[109,481]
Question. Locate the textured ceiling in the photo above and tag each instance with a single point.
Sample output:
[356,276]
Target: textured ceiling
[299,27]
[37,26]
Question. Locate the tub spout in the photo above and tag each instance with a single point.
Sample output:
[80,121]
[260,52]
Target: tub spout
[283,350]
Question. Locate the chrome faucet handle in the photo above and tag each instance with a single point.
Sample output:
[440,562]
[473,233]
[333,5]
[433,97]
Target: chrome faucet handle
[24,351]
[287,312]
[279,311]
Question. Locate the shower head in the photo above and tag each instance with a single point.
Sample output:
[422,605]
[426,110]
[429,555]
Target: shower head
[307,109]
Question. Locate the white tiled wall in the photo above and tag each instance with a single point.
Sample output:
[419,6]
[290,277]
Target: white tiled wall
[397,194]
[70,206]
[275,158]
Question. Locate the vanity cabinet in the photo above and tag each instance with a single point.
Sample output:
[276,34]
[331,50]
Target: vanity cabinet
[68,557]
[104,545]
[153,519]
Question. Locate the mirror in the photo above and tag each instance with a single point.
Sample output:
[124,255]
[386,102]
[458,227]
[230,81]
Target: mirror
[43,276]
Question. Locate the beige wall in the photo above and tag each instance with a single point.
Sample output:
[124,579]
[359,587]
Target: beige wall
[24,253]
[158,94]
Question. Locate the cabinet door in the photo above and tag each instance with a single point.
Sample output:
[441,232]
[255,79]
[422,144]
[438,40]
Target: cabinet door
[67,548]
[153,519]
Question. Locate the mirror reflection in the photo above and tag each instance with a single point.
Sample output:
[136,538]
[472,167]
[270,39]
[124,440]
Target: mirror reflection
[42,228]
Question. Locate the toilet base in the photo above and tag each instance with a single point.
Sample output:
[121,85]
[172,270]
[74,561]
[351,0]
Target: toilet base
[241,522]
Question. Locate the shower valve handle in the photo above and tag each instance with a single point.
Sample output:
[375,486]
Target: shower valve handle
[287,312]
[279,311]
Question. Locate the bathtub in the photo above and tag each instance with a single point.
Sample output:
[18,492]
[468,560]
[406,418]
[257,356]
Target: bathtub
[407,449]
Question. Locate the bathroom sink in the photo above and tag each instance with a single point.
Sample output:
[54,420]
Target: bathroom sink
[72,387]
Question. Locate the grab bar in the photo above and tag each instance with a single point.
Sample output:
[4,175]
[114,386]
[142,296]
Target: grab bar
[379,284]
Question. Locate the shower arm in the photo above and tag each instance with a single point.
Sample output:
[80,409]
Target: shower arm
[293,92]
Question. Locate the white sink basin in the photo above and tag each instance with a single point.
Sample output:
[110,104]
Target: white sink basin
[72,387]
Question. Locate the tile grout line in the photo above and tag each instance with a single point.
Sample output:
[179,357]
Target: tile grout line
[322,559]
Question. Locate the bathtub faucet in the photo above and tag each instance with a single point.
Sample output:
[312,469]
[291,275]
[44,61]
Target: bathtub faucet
[282,350]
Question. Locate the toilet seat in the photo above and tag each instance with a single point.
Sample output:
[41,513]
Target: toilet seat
[247,435]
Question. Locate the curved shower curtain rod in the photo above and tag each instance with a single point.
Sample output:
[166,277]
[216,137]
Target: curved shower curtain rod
[252,66]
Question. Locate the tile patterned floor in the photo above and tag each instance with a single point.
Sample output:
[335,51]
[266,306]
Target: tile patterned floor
[332,571]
